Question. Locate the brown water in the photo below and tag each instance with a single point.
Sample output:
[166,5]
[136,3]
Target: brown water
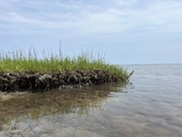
[150,106]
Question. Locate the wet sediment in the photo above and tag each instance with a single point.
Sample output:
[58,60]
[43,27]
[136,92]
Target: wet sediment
[35,82]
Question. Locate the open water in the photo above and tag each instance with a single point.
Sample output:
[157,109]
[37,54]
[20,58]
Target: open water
[149,106]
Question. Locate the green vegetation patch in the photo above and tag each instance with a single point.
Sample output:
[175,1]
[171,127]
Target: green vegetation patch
[32,64]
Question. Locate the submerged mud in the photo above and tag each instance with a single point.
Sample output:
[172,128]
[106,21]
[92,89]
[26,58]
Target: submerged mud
[46,81]
[35,105]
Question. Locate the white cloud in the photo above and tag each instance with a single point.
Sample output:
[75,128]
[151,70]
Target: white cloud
[159,15]
[125,2]
[12,17]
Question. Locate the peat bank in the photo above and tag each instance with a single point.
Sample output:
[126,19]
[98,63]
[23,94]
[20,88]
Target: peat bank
[20,73]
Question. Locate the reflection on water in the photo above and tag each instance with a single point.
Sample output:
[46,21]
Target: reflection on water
[36,105]
[149,107]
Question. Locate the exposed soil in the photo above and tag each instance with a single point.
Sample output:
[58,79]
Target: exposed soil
[35,82]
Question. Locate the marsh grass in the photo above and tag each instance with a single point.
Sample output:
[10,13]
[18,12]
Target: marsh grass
[17,62]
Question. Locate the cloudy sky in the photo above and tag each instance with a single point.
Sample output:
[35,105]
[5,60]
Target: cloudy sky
[124,31]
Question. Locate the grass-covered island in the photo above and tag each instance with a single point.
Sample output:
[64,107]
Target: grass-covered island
[21,73]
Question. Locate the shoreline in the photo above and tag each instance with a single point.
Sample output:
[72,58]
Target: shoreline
[42,81]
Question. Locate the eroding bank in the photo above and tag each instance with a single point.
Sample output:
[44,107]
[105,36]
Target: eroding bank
[20,72]
[46,81]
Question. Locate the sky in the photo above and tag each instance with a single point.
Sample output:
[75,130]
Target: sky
[121,31]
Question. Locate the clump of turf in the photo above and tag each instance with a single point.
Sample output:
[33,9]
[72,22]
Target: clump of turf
[31,63]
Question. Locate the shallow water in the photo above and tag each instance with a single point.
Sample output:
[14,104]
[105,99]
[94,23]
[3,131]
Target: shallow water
[149,106]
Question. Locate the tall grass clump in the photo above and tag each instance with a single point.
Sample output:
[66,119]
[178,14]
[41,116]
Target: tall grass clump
[17,62]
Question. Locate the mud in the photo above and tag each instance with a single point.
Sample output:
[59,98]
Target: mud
[35,82]
[35,105]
